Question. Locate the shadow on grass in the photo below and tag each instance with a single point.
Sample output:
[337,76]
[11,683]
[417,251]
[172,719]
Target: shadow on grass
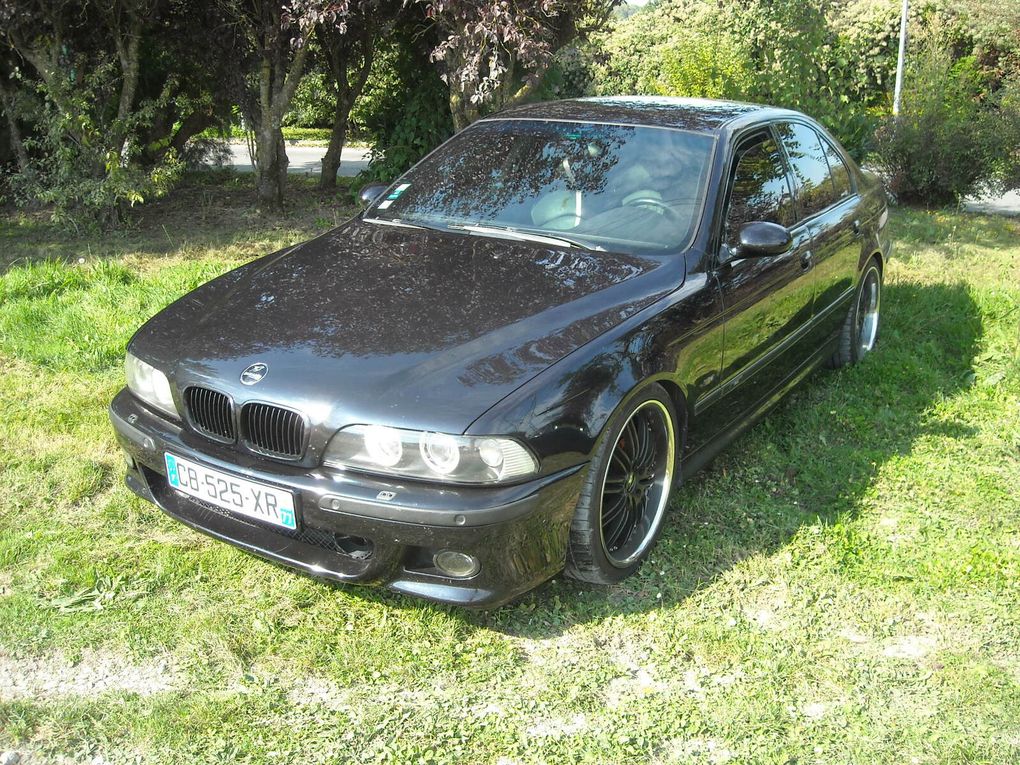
[809,461]
[210,210]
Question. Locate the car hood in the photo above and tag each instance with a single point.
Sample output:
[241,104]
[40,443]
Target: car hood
[399,326]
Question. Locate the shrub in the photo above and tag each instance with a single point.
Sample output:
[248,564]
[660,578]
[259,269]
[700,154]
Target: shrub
[311,106]
[74,166]
[952,138]
[404,108]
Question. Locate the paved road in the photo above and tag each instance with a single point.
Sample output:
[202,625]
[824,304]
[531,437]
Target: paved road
[1007,204]
[304,159]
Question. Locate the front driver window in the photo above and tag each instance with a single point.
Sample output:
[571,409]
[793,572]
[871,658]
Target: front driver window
[759,189]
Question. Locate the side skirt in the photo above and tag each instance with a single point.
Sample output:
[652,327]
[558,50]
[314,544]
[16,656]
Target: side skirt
[695,461]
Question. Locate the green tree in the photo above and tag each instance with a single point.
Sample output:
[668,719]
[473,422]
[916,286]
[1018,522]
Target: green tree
[107,96]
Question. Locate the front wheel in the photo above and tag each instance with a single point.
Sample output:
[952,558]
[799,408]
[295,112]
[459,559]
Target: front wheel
[624,498]
[860,330]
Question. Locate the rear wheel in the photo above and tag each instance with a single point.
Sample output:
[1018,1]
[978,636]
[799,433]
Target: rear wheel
[860,330]
[624,498]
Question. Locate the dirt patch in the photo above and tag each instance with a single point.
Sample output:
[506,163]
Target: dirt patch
[556,727]
[909,647]
[50,677]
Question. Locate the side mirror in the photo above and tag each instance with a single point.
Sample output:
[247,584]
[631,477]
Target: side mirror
[371,192]
[759,239]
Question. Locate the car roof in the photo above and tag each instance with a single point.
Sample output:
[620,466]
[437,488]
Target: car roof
[697,114]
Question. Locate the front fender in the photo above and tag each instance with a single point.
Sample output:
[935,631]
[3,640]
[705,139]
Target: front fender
[562,412]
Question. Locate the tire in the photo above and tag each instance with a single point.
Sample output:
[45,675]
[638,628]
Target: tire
[631,478]
[860,330]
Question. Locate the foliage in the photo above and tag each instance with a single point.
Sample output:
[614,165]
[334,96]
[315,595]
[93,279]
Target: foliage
[74,169]
[108,112]
[834,61]
[494,52]
[309,107]
[405,111]
[951,139]
[700,65]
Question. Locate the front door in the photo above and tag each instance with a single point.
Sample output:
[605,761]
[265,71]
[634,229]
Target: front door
[767,301]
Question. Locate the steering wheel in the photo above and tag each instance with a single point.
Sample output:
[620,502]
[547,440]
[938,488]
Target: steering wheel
[654,204]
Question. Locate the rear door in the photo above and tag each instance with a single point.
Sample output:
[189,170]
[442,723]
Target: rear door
[828,205]
[767,300]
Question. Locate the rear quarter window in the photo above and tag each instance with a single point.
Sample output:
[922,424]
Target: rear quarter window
[838,168]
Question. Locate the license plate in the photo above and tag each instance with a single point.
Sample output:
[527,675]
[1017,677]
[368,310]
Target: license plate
[238,495]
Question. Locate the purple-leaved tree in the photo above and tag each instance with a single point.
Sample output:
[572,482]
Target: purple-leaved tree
[494,52]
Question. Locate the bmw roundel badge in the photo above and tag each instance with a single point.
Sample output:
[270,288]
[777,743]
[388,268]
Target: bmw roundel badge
[254,373]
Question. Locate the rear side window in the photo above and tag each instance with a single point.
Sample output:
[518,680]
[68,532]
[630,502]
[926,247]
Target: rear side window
[815,189]
[759,189]
[840,172]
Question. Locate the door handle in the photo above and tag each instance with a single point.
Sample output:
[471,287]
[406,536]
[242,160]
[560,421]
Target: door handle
[806,258]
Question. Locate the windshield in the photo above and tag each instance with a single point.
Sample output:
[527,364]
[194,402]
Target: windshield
[614,187]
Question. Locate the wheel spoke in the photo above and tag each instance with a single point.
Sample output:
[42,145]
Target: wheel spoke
[615,509]
[643,441]
[649,454]
[633,441]
[621,460]
[617,530]
[614,484]
[646,482]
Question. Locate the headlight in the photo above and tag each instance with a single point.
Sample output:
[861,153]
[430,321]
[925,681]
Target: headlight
[435,456]
[149,384]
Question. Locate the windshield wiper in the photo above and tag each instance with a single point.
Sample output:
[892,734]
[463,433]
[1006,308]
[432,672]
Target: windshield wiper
[511,232]
[402,224]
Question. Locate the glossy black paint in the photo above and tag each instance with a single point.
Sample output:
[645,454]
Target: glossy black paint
[760,239]
[449,332]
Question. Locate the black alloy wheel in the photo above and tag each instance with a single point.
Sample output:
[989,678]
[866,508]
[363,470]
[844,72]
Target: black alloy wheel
[624,500]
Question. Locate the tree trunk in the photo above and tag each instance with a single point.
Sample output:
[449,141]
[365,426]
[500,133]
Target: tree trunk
[462,110]
[276,89]
[12,122]
[337,139]
[271,164]
[347,93]
[189,127]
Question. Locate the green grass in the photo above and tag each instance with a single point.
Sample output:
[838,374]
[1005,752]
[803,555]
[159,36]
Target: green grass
[841,586]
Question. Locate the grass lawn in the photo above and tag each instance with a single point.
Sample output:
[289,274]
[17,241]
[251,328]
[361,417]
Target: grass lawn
[842,586]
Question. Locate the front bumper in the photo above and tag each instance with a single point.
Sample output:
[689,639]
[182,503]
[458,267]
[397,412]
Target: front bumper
[348,534]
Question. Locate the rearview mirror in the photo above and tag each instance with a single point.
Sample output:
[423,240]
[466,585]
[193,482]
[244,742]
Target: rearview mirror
[371,192]
[760,239]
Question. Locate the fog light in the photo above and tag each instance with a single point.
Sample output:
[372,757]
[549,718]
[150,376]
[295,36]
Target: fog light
[456,564]
[129,460]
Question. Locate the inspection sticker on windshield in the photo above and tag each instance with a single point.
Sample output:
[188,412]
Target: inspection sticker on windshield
[231,492]
[395,194]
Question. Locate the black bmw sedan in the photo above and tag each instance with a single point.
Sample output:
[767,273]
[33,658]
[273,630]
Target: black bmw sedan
[505,364]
